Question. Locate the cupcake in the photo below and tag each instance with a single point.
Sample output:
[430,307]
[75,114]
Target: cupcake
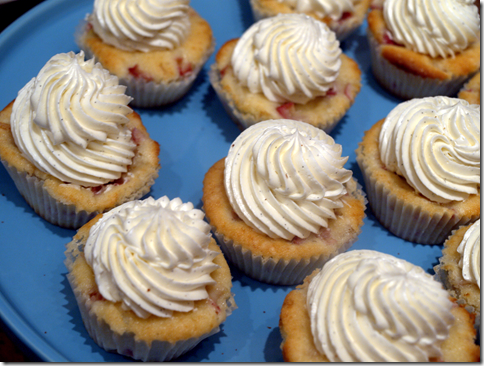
[72,145]
[149,279]
[366,306]
[459,268]
[421,166]
[342,17]
[281,203]
[420,48]
[289,66]
[155,47]
[471,91]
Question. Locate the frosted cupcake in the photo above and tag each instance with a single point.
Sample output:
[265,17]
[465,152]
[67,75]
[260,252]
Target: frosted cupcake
[342,17]
[471,91]
[72,145]
[419,49]
[155,47]
[459,268]
[421,166]
[289,66]
[366,306]
[149,279]
[281,203]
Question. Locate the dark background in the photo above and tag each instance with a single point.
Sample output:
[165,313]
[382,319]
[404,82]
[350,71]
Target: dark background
[11,348]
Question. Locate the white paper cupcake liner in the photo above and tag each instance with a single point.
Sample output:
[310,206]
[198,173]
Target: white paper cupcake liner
[126,344]
[148,94]
[53,211]
[407,221]
[270,270]
[407,85]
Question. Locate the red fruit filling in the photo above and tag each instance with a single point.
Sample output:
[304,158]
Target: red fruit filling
[139,74]
[286,110]
[96,296]
[345,15]
[387,39]
[184,67]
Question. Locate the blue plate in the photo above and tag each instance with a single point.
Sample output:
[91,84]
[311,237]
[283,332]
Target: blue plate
[36,301]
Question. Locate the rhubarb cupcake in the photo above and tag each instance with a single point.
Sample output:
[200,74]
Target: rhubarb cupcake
[472,90]
[459,268]
[366,306]
[281,203]
[155,47]
[289,66]
[149,279]
[421,166]
[343,17]
[419,49]
[72,145]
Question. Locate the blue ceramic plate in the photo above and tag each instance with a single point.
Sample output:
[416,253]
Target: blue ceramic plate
[36,301]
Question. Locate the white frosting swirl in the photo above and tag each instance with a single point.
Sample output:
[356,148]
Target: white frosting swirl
[435,144]
[288,58]
[70,122]
[436,28]
[152,255]
[141,25]
[333,9]
[367,306]
[470,250]
[284,178]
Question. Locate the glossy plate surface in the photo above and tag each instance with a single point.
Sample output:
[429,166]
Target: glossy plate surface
[36,300]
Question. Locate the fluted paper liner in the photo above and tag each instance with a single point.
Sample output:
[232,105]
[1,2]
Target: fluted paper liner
[405,220]
[270,270]
[55,212]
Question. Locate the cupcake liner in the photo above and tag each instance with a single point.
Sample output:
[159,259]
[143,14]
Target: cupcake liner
[405,220]
[149,94]
[271,270]
[407,85]
[53,211]
[126,343]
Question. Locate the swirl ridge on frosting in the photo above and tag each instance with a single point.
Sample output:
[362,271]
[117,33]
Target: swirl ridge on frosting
[70,122]
[470,250]
[436,28]
[152,255]
[434,143]
[284,178]
[367,306]
[289,57]
[323,8]
[141,25]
